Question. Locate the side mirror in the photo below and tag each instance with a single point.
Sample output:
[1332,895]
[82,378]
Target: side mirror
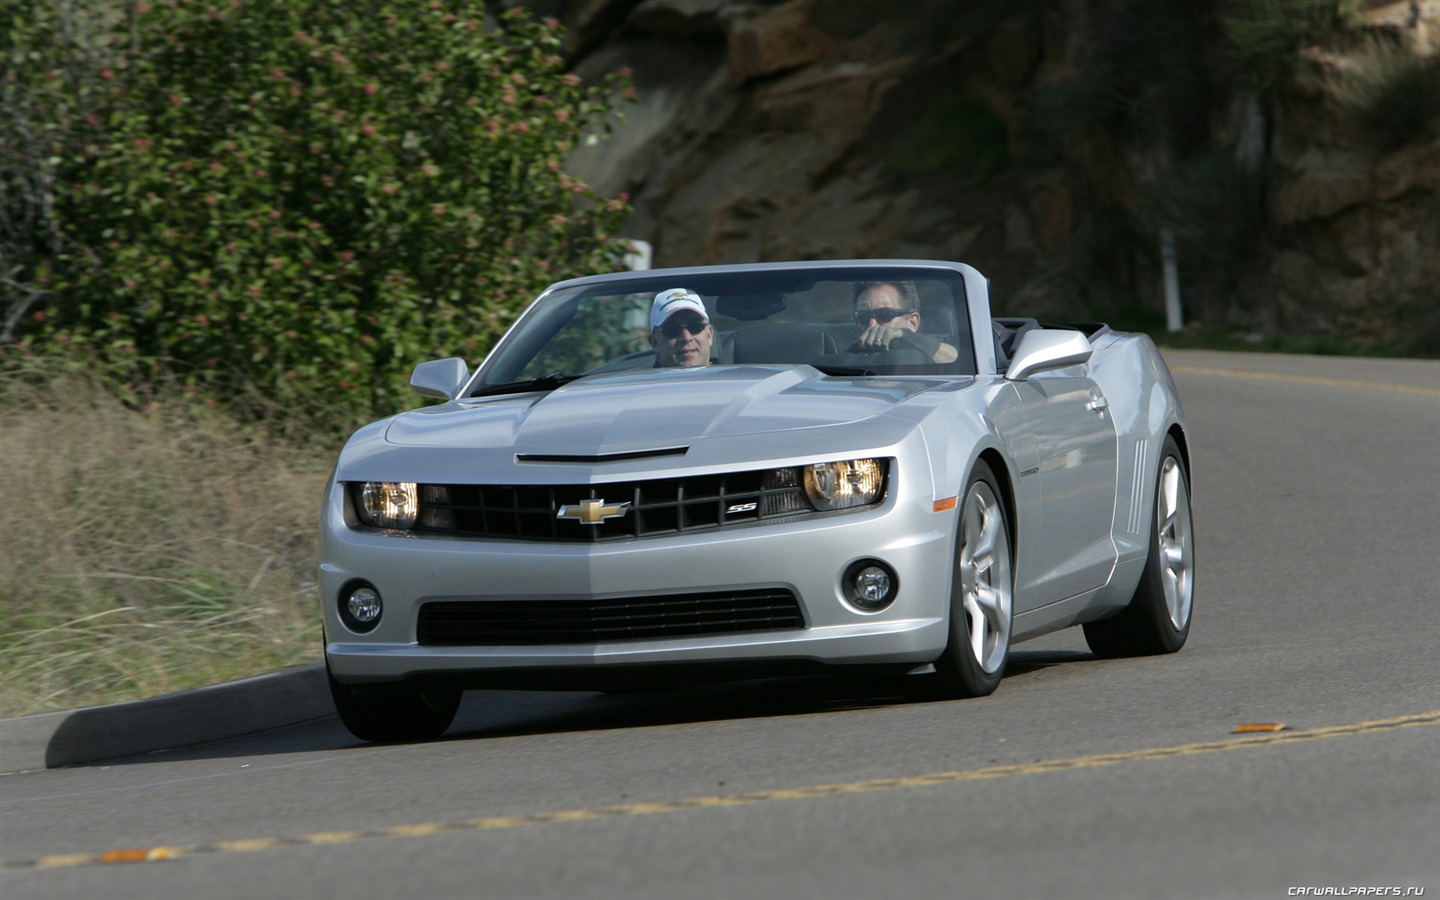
[1044,349]
[439,378]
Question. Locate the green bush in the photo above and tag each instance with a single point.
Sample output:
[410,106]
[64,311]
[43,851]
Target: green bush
[1139,76]
[1393,93]
[1214,205]
[1073,111]
[956,134]
[306,195]
[1269,34]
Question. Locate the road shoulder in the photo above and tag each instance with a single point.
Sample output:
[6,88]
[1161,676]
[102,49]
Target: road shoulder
[75,737]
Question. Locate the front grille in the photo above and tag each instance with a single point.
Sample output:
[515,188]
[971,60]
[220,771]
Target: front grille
[488,623]
[657,506]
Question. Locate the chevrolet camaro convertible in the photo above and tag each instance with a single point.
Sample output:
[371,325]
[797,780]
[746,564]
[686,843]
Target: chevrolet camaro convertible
[666,477]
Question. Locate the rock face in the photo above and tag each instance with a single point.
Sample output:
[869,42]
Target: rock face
[983,132]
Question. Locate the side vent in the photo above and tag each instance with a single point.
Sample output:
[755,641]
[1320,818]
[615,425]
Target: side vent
[1137,487]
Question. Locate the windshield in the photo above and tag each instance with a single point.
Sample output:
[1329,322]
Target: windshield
[842,321]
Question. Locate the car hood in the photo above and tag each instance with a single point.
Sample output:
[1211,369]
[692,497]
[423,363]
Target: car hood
[658,409]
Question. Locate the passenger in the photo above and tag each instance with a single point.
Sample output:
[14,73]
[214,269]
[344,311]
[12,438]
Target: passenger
[680,329]
[889,311]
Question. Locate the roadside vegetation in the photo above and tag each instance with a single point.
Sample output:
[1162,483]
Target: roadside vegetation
[299,196]
[148,549]
[229,230]
[1393,94]
[1144,97]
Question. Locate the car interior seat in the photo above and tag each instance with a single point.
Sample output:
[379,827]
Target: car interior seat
[938,322]
[780,342]
[1008,333]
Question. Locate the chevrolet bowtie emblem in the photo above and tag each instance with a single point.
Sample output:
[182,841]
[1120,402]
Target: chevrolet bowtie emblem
[592,512]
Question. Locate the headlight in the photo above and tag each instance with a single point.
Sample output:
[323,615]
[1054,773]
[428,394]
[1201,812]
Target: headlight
[842,485]
[388,504]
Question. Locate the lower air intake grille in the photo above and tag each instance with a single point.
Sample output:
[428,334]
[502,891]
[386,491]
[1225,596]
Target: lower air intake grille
[490,623]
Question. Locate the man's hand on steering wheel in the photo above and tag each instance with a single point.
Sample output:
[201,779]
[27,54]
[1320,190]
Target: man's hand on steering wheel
[878,338]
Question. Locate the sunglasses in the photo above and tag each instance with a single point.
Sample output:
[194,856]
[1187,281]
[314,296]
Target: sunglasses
[673,329]
[882,315]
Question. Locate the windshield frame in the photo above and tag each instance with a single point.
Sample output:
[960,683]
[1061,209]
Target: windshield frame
[546,316]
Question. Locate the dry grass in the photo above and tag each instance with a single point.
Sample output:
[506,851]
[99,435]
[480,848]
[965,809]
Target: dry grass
[146,550]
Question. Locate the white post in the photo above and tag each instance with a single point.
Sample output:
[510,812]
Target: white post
[1174,316]
[639,256]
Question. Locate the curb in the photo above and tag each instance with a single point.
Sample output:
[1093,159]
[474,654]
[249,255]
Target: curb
[50,740]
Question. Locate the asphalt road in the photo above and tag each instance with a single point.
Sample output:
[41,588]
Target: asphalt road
[1317,607]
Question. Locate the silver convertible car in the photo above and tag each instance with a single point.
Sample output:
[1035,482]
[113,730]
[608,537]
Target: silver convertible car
[673,476]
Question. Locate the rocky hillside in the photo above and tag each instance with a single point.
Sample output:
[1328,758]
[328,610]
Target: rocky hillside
[1292,147]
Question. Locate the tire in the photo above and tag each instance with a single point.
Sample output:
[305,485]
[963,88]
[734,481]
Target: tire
[982,594]
[395,718]
[1157,620]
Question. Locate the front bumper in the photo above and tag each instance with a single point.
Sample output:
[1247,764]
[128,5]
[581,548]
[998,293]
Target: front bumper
[805,556]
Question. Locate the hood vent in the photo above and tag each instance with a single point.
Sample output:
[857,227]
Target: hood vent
[599,457]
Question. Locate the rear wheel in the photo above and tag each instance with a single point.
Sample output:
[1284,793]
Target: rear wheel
[392,718]
[1158,617]
[982,594]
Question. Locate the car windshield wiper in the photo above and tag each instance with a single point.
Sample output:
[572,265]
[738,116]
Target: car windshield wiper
[543,383]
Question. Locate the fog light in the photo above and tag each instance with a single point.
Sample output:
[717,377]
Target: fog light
[364,605]
[360,607]
[870,585]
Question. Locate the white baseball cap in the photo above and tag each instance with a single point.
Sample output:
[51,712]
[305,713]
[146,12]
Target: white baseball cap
[667,303]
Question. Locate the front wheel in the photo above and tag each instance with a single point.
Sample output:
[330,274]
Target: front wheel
[393,718]
[1158,617]
[982,594]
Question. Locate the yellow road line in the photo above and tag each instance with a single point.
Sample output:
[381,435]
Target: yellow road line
[1270,739]
[1309,379]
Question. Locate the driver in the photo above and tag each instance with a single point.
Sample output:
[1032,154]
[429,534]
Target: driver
[889,311]
[680,329]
